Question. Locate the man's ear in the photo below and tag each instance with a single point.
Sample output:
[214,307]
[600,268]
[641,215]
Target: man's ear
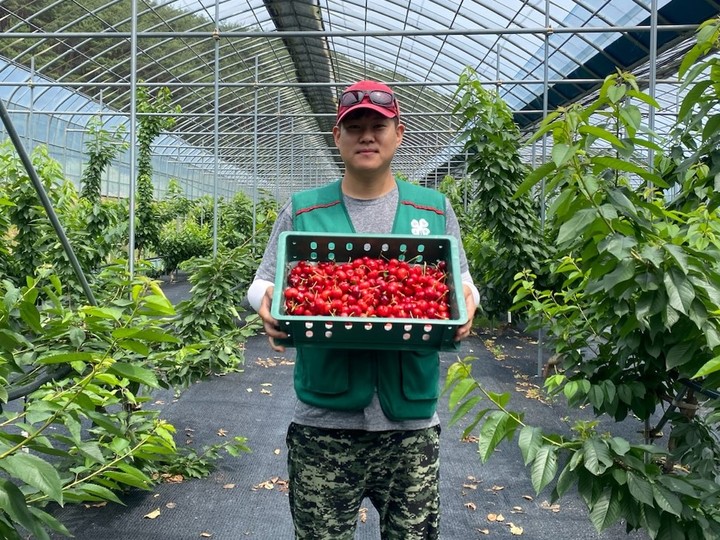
[336,133]
[400,131]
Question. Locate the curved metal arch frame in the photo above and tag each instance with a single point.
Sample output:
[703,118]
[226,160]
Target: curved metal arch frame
[430,102]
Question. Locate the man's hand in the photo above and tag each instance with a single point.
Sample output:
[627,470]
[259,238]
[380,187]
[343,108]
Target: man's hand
[464,330]
[269,322]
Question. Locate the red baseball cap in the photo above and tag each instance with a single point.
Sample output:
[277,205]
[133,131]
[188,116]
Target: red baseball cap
[371,95]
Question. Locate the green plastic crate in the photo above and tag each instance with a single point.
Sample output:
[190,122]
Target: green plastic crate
[369,332]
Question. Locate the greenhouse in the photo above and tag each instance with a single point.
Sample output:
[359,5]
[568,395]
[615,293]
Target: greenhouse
[360,269]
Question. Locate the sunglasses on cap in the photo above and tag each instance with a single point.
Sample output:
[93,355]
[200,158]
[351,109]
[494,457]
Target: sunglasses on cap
[376,97]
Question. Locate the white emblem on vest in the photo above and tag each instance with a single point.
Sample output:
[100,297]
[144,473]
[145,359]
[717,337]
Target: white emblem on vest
[420,227]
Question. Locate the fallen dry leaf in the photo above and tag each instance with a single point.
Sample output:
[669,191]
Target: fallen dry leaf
[496,488]
[495,517]
[228,486]
[276,451]
[95,505]
[470,506]
[173,478]
[249,389]
[222,433]
[515,530]
[266,384]
[517,510]
[483,531]
[171,505]
[552,507]
[266,392]
[275,481]
[363,515]
[470,439]
[152,515]
[527,497]
[205,535]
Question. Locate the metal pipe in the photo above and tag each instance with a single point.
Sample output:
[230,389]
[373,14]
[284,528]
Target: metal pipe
[350,33]
[133,140]
[216,128]
[653,75]
[255,146]
[546,90]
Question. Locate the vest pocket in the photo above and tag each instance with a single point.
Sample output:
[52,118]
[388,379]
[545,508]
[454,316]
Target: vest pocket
[324,371]
[420,373]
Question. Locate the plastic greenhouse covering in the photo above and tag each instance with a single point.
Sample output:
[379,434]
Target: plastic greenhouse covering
[257,81]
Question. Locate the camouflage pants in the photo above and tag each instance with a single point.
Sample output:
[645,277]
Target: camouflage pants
[331,471]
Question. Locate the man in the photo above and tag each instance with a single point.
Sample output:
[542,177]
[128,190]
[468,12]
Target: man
[357,430]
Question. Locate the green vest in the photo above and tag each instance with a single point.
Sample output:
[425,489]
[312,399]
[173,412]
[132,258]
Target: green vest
[407,382]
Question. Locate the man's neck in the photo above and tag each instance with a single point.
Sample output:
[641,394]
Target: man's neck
[367,187]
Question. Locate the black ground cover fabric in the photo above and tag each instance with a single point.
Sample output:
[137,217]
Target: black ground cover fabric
[246,497]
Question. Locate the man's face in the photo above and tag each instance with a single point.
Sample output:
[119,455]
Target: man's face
[367,141]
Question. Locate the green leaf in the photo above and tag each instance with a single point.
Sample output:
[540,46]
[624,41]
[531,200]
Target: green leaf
[544,467]
[597,456]
[529,441]
[679,354]
[677,253]
[31,316]
[99,493]
[562,153]
[105,422]
[128,479]
[605,511]
[66,358]
[157,305]
[460,391]
[565,481]
[627,166]
[154,335]
[640,489]
[616,92]
[492,433]
[104,312]
[35,472]
[533,178]
[621,202]
[624,271]
[137,347]
[466,407]
[667,500]
[135,373]
[619,445]
[618,246]
[646,98]
[77,336]
[575,226]
[50,521]
[711,127]
[500,400]
[709,367]
[91,449]
[601,133]
[679,290]
[692,98]
[12,501]
[632,116]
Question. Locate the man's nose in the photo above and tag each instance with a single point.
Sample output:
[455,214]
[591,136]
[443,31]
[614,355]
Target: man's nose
[367,133]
